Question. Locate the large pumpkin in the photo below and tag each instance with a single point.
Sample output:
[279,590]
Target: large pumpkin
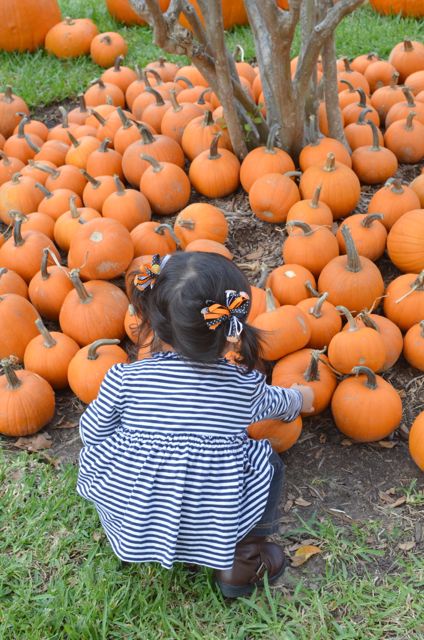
[411,8]
[24,23]
[233,12]
[416,441]
[122,11]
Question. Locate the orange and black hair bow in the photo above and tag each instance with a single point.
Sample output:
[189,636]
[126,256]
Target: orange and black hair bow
[148,273]
[236,310]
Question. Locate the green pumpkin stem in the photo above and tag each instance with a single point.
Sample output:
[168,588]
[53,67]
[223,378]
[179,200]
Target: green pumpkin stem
[362,115]
[13,381]
[73,207]
[375,141]
[395,185]
[18,240]
[21,126]
[126,122]
[92,349]
[48,340]
[98,117]
[82,103]
[47,194]
[362,98]
[201,100]
[371,381]
[146,135]
[350,87]
[8,94]
[104,145]
[208,119]
[176,107]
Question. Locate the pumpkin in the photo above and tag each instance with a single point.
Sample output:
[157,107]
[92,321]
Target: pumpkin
[393,200]
[312,211]
[281,435]
[233,13]
[341,189]
[11,106]
[400,110]
[272,195]
[69,222]
[198,135]
[349,95]
[404,300]
[119,75]
[8,167]
[100,92]
[163,148]
[416,441]
[49,355]
[263,160]
[213,173]
[356,346]
[71,37]
[104,161]
[53,151]
[258,303]
[79,114]
[151,237]
[390,333]
[12,282]
[122,11]
[93,310]
[289,283]
[407,57]
[68,176]
[374,164]
[405,138]
[151,105]
[413,348]
[210,246]
[385,97]
[284,330]
[106,47]
[311,247]
[17,317]
[80,150]
[127,206]
[37,221]
[56,202]
[49,287]
[407,8]
[379,73]
[359,134]
[89,366]
[351,280]
[97,190]
[352,111]
[307,367]
[18,194]
[27,401]
[25,23]
[109,124]
[355,78]
[316,152]
[365,407]
[177,117]
[165,186]
[21,145]
[166,69]
[417,185]
[101,248]
[200,221]
[405,242]
[126,134]
[37,170]
[368,233]
[323,318]
[361,62]
[22,252]
[60,131]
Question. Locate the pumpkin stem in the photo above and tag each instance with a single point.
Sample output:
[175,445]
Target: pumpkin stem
[368,321]
[45,275]
[98,116]
[64,117]
[208,119]
[270,141]
[346,64]
[5,158]
[407,45]
[361,119]
[8,94]
[94,183]
[306,228]
[48,340]
[213,150]
[21,126]
[146,135]
[98,81]
[409,97]
[44,167]
[314,203]
[417,285]
[157,166]
[350,86]
[18,240]
[349,317]
[395,185]
[176,107]
[126,122]
[394,80]
[104,145]
[330,163]
[188,82]
[92,349]
[409,118]
[82,104]
[314,293]
[106,40]
[269,300]
[316,309]
[32,144]
[47,194]
[161,228]
[353,261]
[155,74]
[13,381]
[421,328]
[82,292]
[201,100]
[120,189]
[16,178]
[370,218]
[69,21]
[362,98]
[313,135]
[312,372]
[371,381]
[73,207]
[375,141]
[118,62]
[75,143]
[238,50]
[158,97]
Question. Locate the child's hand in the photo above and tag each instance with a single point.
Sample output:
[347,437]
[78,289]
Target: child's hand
[308,397]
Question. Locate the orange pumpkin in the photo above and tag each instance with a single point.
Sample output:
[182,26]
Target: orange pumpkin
[165,186]
[310,246]
[24,24]
[405,242]
[106,47]
[49,287]
[214,173]
[393,200]
[413,348]
[368,233]
[416,441]
[272,195]
[200,221]
[323,318]
[71,37]
[289,283]
[404,300]
[281,435]
[263,160]
[17,317]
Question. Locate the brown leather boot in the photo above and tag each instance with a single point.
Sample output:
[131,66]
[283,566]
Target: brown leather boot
[254,557]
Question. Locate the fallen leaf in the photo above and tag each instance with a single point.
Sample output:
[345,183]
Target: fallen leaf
[302,554]
[97,535]
[398,502]
[288,506]
[301,502]
[323,438]
[346,443]
[254,255]
[407,546]
[384,497]
[387,444]
[34,443]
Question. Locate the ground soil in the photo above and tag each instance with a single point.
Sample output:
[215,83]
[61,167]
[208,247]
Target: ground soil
[332,475]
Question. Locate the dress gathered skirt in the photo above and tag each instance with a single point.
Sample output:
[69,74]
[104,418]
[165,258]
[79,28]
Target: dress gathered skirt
[167,461]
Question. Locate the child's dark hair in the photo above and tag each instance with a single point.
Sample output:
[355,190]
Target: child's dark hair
[172,309]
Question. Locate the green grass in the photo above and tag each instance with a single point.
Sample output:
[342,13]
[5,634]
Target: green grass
[42,79]
[59,579]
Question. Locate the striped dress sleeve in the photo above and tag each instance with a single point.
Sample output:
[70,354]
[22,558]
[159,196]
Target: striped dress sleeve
[274,402]
[103,415]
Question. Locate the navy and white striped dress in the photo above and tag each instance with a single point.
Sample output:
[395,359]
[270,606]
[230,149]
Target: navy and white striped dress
[167,460]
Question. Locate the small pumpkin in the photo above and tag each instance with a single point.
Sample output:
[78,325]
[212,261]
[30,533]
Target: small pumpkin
[290,283]
[49,287]
[127,206]
[310,246]
[374,164]
[316,152]
[385,97]
[405,242]
[365,407]
[393,200]
[69,222]
[106,47]
[359,134]
[263,160]
[400,110]
[413,348]
[150,237]
[210,246]
[404,300]
[323,318]
[198,135]
[416,441]
[119,75]
[10,108]
[71,37]
[12,282]
[17,317]
[281,435]
[390,333]
[200,221]
[417,185]
[405,138]
[312,211]
[165,186]
[368,233]
[100,92]
[97,190]
[272,195]
[27,401]
[214,173]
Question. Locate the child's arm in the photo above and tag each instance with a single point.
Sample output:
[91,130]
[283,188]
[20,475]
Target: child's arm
[103,416]
[275,402]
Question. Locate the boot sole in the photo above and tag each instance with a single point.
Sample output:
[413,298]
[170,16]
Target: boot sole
[233,591]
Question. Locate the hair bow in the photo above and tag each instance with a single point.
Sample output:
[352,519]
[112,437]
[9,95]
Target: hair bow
[236,309]
[148,273]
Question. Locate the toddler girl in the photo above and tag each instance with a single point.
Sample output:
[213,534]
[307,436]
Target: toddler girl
[166,458]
